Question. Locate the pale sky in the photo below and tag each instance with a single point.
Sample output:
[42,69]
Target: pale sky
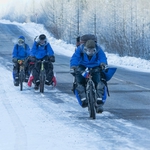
[3,1]
[6,3]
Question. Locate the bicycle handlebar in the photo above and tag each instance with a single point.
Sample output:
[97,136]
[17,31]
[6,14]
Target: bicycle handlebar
[90,70]
[39,61]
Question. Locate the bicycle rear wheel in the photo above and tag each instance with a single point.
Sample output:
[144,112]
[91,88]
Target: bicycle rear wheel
[42,82]
[91,105]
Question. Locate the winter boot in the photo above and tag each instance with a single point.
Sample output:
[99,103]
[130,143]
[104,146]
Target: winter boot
[37,83]
[16,81]
[30,80]
[99,108]
[81,91]
[26,78]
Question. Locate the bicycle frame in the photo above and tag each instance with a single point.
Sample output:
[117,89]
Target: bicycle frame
[21,65]
[42,76]
[21,73]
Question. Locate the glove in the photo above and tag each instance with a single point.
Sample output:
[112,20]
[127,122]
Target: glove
[52,58]
[72,69]
[103,66]
[14,60]
[20,62]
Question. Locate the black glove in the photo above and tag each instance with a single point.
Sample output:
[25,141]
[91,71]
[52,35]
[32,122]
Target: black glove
[103,66]
[14,60]
[52,58]
[72,69]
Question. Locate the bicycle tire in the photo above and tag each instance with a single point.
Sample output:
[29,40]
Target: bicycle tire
[91,105]
[42,82]
[21,79]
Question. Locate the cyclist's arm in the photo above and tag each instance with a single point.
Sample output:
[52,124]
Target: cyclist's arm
[50,51]
[74,61]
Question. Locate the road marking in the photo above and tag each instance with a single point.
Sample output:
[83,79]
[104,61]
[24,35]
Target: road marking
[142,87]
[118,79]
[134,84]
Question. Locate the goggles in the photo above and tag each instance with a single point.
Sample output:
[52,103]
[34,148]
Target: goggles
[20,41]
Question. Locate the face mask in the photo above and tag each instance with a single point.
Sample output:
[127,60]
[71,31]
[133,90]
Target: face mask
[90,51]
[42,42]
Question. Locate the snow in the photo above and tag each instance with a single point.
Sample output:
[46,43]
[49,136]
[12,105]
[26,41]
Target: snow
[34,121]
[20,116]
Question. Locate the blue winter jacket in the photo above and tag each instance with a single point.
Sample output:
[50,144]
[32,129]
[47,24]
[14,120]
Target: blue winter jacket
[81,58]
[21,52]
[39,52]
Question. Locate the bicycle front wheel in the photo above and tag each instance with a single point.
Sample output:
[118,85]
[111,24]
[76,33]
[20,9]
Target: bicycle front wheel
[42,82]
[91,105]
[21,79]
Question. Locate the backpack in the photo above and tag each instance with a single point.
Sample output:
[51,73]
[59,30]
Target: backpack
[86,37]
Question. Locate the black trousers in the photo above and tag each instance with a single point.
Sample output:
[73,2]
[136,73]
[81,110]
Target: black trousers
[48,66]
[81,81]
[16,68]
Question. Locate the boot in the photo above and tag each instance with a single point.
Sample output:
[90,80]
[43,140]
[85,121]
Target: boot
[99,100]
[16,81]
[81,92]
[26,78]
[30,80]
[37,83]
[99,108]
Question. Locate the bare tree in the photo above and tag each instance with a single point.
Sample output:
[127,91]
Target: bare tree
[122,26]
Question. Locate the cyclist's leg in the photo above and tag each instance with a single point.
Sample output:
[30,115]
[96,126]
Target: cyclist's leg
[81,87]
[27,73]
[36,73]
[100,91]
[98,84]
[49,73]
[16,74]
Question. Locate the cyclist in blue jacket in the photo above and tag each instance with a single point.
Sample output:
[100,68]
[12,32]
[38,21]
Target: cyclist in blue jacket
[89,55]
[42,50]
[20,52]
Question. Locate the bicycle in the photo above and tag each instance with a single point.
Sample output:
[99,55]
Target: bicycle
[90,90]
[42,75]
[21,73]
[106,74]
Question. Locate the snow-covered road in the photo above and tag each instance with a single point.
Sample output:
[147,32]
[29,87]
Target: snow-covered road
[53,120]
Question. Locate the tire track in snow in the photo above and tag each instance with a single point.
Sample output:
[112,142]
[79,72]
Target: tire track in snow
[21,139]
[108,128]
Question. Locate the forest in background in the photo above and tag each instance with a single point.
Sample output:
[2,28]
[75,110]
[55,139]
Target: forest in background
[121,26]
